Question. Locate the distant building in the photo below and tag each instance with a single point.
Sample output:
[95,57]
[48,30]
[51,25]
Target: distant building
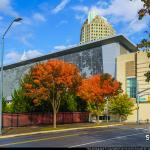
[95,27]
[130,72]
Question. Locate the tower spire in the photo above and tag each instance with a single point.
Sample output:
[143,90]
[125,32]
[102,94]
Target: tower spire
[24,56]
[91,15]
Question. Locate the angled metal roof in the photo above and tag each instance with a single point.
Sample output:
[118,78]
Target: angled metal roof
[113,39]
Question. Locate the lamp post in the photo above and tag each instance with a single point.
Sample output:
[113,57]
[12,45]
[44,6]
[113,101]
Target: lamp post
[2,57]
[137,101]
[107,109]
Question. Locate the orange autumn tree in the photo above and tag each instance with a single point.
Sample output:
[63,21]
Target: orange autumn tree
[96,89]
[50,81]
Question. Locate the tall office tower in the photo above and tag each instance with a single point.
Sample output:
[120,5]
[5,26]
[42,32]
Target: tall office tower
[95,27]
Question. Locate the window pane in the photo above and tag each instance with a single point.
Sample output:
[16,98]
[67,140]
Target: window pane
[131,87]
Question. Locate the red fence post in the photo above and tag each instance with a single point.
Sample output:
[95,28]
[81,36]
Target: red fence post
[2,120]
[11,120]
[17,119]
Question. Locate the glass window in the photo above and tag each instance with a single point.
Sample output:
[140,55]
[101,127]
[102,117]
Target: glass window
[131,87]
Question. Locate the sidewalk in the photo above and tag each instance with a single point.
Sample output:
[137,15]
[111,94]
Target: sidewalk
[23,131]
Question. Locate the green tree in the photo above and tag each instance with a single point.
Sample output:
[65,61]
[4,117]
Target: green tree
[147,74]
[121,105]
[4,105]
[19,101]
[81,104]
[68,103]
[145,42]
[73,103]
[145,10]
[95,109]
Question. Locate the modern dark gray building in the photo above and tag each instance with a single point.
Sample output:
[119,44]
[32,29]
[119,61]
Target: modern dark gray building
[92,58]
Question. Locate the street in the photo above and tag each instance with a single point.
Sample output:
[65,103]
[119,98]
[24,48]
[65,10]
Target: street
[99,137]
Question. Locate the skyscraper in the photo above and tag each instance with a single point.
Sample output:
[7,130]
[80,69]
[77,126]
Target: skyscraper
[95,27]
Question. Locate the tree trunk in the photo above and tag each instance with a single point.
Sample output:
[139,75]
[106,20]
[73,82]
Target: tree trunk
[120,118]
[97,118]
[89,117]
[54,118]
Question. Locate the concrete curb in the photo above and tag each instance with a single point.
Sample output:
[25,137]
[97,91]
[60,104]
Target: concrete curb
[61,130]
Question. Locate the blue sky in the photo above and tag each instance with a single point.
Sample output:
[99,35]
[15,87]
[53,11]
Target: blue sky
[51,25]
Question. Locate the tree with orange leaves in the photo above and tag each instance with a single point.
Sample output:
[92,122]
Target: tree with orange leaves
[96,89]
[50,81]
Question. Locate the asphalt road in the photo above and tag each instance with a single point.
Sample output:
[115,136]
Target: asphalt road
[99,137]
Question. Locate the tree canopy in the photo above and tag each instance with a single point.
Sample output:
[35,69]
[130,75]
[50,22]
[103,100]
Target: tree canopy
[50,81]
[96,89]
[121,105]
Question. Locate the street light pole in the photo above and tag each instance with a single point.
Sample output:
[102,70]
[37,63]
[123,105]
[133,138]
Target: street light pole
[1,92]
[137,101]
[2,58]
[137,109]
[107,109]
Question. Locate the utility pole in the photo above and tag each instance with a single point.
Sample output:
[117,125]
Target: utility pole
[107,110]
[2,57]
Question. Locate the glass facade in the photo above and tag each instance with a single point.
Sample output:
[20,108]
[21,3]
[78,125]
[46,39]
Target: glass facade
[131,87]
[89,61]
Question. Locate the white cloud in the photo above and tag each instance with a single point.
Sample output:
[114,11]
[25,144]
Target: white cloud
[14,56]
[61,47]
[61,23]
[6,8]
[137,25]
[33,53]
[124,10]
[81,18]
[103,4]
[81,9]
[60,6]
[39,17]
[25,39]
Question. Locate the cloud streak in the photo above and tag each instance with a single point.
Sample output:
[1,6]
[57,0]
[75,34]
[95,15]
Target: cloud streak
[39,17]
[60,6]
[14,56]
[61,47]
[7,9]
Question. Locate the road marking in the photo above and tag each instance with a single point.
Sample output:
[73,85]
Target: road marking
[119,137]
[42,139]
[139,128]
[37,140]
[59,130]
